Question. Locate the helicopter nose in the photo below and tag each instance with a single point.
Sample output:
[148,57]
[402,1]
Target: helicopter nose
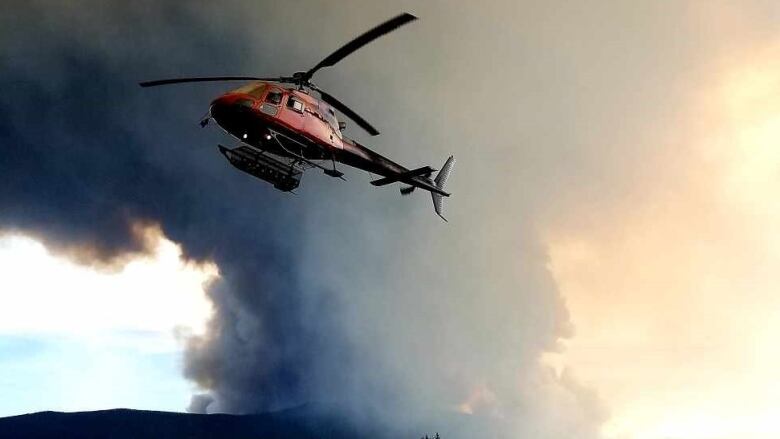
[230,106]
[219,107]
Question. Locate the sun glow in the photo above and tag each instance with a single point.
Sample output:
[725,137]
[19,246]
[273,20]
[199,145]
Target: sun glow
[79,337]
[675,301]
[155,293]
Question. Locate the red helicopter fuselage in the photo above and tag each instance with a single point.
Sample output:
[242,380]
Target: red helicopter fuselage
[254,112]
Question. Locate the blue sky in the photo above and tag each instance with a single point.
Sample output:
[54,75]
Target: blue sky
[108,339]
[68,374]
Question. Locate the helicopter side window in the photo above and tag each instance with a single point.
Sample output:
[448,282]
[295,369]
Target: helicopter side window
[247,103]
[272,101]
[274,97]
[295,105]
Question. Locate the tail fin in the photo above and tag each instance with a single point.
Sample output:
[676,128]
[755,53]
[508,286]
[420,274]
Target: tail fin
[441,179]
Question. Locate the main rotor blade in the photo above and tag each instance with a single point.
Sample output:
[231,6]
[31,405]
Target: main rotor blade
[345,50]
[348,112]
[205,79]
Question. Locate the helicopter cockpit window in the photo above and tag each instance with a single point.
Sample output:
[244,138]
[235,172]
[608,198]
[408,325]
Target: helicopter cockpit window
[295,104]
[247,103]
[254,89]
[272,101]
[257,91]
[274,97]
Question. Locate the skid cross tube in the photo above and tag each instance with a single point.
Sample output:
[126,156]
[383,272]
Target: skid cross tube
[332,173]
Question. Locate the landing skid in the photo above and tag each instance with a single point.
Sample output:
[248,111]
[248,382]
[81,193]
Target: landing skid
[283,171]
[334,173]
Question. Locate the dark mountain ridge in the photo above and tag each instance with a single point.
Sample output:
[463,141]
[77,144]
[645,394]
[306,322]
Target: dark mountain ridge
[299,423]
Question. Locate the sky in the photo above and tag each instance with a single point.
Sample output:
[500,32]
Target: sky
[608,270]
[111,339]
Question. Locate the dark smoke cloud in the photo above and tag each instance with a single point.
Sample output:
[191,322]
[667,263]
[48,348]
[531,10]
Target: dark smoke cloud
[345,295]
[87,154]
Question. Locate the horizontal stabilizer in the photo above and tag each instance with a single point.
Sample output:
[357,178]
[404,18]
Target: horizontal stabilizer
[424,171]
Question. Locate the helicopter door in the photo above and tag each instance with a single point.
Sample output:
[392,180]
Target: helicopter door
[333,127]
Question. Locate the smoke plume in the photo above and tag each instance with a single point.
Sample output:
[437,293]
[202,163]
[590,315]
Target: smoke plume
[346,296]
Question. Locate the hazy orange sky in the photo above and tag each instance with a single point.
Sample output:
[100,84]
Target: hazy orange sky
[673,289]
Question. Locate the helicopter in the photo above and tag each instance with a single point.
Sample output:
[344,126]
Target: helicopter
[287,125]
